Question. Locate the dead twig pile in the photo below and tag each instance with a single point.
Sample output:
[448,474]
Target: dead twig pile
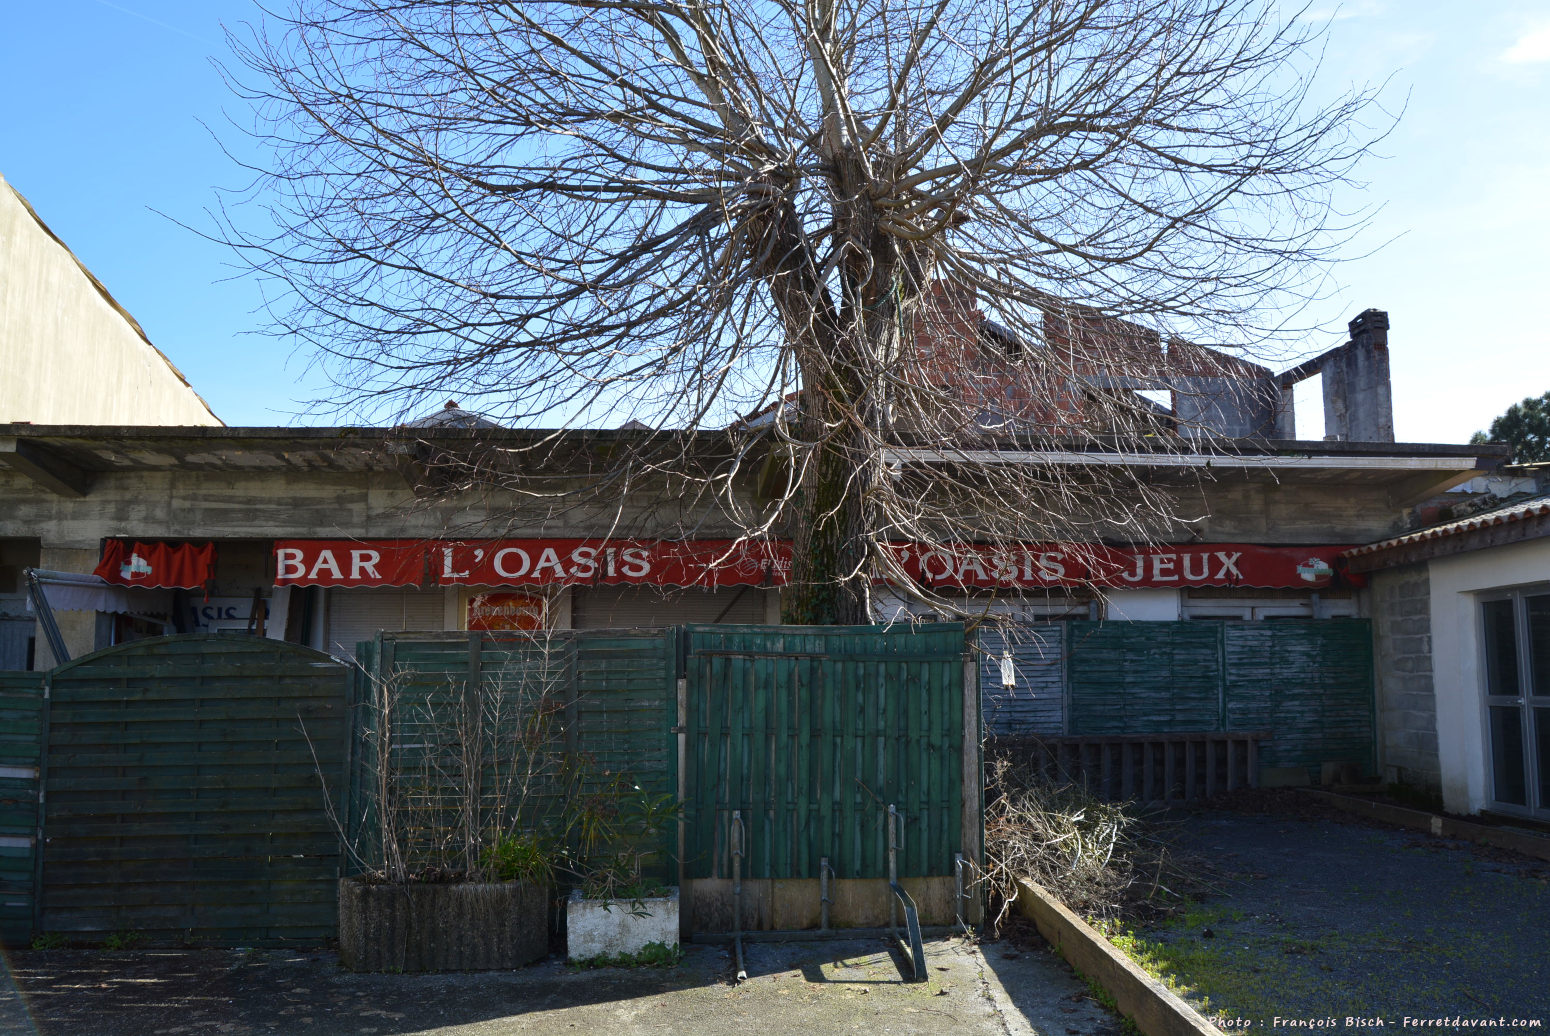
[1101,859]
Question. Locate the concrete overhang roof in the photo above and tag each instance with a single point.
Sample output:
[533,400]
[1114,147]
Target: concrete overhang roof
[68,458]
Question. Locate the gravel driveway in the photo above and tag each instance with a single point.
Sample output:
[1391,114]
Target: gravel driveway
[1332,922]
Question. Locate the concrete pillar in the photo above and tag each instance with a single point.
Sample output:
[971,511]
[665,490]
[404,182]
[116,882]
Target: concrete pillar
[1358,400]
[1285,414]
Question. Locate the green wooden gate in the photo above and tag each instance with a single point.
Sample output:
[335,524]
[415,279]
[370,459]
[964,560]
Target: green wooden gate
[185,798]
[811,733]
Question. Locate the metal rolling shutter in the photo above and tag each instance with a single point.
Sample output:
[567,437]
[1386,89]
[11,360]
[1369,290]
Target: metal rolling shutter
[625,607]
[357,614]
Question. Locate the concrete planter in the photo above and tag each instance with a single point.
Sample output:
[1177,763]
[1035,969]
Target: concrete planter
[469,926]
[608,928]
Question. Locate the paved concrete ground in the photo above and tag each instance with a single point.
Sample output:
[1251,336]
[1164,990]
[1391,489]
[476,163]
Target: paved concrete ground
[813,988]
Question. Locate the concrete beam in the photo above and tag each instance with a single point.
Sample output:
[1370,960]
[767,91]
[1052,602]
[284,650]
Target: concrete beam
[44,467]
[1423,487]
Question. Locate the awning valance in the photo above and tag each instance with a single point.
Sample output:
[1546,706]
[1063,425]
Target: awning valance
[713,563]
[185,566]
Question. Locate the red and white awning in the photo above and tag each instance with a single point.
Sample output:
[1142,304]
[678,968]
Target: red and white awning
[716,563]
[184,566]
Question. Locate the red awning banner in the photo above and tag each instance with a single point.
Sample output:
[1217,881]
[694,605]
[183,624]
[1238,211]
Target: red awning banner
[976,566]
[714,563]
[183,566]
[546,562]
[350,562]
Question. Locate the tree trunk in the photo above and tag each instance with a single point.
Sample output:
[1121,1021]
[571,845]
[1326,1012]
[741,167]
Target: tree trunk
[830,580]
[837,346]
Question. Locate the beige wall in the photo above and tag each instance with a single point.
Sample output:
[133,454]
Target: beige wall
[68,353]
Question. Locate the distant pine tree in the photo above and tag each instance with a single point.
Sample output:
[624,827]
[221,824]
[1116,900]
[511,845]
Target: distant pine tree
[1525,427]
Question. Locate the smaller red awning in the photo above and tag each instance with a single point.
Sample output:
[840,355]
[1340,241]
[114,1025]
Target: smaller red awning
[183,566]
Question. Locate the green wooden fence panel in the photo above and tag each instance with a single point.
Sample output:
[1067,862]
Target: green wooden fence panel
[1310,684]
[1144,677]
[564,714]
[22,718]
[188,792]
[811,732]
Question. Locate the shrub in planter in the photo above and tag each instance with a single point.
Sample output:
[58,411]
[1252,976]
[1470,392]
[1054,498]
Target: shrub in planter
[457,859]
[614,928]
[618,911]
[467,805]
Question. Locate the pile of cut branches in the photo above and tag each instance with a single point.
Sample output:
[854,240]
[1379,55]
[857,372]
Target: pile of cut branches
[1101,859]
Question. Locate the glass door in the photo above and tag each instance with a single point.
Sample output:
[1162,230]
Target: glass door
[1516,642]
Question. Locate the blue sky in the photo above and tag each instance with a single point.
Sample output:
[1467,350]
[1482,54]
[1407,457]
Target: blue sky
[105,106]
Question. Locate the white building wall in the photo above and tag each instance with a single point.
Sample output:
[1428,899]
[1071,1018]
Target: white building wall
[1456,659]
[69,354]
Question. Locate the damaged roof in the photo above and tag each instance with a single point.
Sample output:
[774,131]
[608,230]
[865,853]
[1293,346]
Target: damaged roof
[1529,519]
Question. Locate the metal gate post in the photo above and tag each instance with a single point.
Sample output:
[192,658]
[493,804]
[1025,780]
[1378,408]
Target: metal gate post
[824,899]
[913,947]
[737,892]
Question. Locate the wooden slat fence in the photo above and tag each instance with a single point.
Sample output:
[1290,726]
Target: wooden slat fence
[811,732]
[1158,769]
[1035,703]
[1310,684]
[21,741]
[185,792]
[1305,686]
[555,717]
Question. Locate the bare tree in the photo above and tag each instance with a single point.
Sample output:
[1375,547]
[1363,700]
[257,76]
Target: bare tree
[834,236]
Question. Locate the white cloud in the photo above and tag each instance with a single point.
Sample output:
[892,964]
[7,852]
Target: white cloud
[1533,46]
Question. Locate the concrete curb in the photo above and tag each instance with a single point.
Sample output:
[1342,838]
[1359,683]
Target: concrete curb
[1141,998]
[1537,846]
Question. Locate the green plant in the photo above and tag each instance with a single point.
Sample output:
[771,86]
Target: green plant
[122,941]
[519,856]
[49,941]
[615,830]
[456,780]
[652,955]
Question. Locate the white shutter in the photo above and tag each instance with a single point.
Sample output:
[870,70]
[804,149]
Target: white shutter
[625,607]
[356,614]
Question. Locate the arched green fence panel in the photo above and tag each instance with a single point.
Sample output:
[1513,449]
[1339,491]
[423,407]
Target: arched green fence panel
[188,787]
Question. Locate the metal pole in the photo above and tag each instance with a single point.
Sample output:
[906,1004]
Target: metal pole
[824,870]
[958,893]
[893,867]
[914,949]
[737,891]
[45,614]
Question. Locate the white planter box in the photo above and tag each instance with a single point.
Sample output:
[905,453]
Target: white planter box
[598,928]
